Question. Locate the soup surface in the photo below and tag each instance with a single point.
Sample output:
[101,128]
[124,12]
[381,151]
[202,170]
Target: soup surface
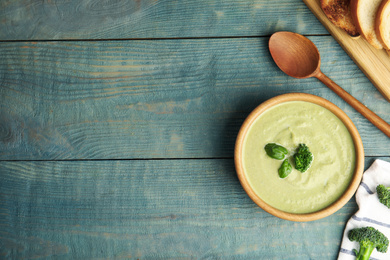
[290,124]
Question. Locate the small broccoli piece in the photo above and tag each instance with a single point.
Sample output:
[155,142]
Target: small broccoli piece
[369,238]
[383,194]
[303,158]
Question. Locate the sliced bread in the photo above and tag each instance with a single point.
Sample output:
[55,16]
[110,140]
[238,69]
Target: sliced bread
[339,13]
[364,16]
[382,25]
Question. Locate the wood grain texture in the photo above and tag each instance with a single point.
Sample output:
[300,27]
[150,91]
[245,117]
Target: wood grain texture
[121,149]
[148,209]
[112,19]
[373,62]
[155,99]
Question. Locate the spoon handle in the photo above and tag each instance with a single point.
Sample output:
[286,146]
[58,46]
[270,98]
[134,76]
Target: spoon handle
[362,109]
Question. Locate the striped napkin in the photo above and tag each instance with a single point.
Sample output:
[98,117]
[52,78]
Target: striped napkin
[371,212]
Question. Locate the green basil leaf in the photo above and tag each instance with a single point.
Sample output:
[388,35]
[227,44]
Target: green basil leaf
[285,169]
[275,151]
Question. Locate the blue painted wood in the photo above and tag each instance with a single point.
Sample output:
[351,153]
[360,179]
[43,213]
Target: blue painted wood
[148,209]
[155,99]
[109,19]
[123,148]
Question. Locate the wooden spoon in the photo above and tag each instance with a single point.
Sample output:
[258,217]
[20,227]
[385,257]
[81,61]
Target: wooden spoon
[298,57]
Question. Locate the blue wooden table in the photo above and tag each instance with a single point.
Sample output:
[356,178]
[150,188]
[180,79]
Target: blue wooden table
[118,121]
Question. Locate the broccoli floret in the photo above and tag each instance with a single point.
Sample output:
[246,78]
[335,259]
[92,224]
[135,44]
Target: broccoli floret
[383,194]
[303,158]
[369,238]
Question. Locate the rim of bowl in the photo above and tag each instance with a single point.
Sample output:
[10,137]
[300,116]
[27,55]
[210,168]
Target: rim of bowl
[359,154]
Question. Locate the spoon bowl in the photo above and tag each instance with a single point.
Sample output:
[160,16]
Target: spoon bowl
[298,57]
[295,54]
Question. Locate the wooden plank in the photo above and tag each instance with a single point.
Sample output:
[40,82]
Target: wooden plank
[374,63]
[155,99]
[89,19]
[144,209]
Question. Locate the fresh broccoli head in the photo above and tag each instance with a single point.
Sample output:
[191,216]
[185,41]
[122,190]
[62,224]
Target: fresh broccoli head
[369,238]
[383,194]
[303,158]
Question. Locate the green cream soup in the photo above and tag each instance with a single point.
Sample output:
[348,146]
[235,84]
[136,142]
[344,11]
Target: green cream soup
[290,124]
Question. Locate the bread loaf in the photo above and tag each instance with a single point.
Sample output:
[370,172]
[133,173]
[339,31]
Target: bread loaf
[339,13]
[364,16]
[382,24]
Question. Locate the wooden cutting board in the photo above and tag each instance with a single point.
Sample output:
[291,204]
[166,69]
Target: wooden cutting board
[374,63]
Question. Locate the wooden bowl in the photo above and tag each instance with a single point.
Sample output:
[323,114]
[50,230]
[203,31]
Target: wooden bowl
[359,157]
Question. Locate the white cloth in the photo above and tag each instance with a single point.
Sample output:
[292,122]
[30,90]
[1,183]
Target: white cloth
[371,212]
